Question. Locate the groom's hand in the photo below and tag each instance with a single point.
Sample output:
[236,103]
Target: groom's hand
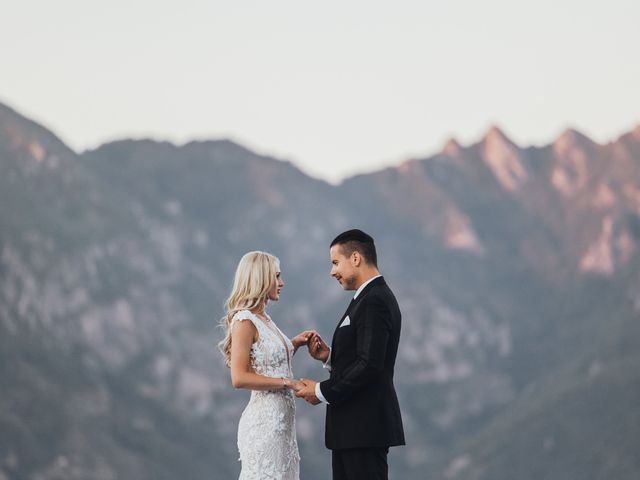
[308,391]
[318,349]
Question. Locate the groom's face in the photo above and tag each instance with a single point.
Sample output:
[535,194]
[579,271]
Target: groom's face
[343,268]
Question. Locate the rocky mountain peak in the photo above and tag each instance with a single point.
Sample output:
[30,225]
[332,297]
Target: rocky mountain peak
[495,134]
[451,148]
[503,157]
[36,147]
[571,139]
[572,152]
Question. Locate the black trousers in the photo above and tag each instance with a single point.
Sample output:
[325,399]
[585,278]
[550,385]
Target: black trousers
[360,464]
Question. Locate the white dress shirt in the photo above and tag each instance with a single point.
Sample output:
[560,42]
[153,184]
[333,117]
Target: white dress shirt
[327,364]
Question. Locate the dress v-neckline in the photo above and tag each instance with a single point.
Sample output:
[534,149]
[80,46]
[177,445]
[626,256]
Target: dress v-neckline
[278,333]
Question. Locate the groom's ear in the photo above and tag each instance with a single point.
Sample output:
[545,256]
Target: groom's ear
[356,258]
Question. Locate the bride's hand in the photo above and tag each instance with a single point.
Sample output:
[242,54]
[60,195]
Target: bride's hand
[302,338]
[295,385]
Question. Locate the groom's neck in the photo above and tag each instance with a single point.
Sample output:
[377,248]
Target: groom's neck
[367,274]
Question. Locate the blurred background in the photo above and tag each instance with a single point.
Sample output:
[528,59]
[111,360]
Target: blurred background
[492,150]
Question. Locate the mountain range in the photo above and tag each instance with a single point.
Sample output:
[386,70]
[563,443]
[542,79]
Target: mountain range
[516,270]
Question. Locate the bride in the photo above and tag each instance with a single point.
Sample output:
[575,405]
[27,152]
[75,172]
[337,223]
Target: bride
[259,356]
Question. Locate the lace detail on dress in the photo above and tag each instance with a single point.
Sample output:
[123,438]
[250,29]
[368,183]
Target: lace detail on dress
[266,431]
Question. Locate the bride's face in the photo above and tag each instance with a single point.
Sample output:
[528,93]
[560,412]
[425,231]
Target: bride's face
[274,293]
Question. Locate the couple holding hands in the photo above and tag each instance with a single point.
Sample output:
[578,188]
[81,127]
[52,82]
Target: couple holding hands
[363,415]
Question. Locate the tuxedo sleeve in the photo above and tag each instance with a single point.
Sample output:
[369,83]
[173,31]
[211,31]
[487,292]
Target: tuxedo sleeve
[372,334]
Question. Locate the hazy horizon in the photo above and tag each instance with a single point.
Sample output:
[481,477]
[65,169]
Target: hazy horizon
[335,89]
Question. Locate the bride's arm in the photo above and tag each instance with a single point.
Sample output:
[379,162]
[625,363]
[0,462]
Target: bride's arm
[243,335]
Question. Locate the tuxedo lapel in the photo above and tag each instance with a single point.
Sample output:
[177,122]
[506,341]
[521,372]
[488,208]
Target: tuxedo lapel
[346,312]
[361,295]
[365,290]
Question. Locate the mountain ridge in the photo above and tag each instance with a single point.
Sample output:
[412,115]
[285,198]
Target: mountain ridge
[115,265]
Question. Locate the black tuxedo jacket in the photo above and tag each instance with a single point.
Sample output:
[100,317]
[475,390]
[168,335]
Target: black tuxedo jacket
[363,408]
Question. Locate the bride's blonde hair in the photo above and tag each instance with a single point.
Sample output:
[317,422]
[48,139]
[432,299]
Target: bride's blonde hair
[255,276]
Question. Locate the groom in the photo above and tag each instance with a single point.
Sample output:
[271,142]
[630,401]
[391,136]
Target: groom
[363,416]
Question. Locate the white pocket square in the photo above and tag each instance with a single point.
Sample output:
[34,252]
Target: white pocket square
[345,322]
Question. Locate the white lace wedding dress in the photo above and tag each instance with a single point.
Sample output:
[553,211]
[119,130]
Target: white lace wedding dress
[267,430]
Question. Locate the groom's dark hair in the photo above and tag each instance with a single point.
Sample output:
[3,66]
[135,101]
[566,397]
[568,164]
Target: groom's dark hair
[357,240]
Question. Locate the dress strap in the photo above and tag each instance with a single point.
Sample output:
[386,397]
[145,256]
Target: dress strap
[246,315]
[242,315]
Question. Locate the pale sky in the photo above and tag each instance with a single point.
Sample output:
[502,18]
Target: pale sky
[336,87]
